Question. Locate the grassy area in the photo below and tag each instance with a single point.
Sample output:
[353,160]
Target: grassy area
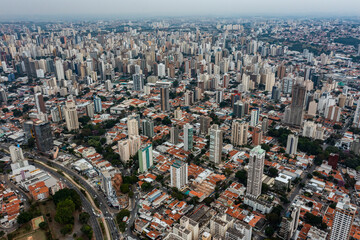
[24,229]
[36,235]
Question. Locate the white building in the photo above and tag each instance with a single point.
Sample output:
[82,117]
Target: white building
[179,174]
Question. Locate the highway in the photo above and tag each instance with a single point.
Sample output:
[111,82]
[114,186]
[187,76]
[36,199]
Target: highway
[85,202]
[108,216]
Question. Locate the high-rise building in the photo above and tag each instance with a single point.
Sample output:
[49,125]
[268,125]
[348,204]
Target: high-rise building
[255,114]
[238,109]
[174,134]
[133,126]
[164,99]
[40,104]
[108,85]
[90,109]
[356,122]
[107,184]
[289,223]
[257,136]
[204,124]
[134,144]
[145,158]
[97,104]
[56,114]
[189,98]
[297,105]
[239,133]
[188,137]
[124,150]
[291,146]
[334,113]
[16,154]
[265,125]
[343,220]
[179,174]
[71,116]
[216,142]
[219,224]
[275,93]
[255,172]
[178,114]
[3,96]
[43,136]
[59,70]
[138,82]
[148,128]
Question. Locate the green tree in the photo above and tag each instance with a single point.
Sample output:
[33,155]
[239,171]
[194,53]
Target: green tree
[24,217]
[84,217]
[87,230]
[241,175]
[66,229]
[64,212]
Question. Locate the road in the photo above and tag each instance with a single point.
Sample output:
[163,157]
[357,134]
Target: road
[108,216]
[85,202]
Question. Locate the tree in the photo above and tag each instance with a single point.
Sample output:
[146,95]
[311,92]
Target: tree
[166,121]
[87,230]
[125,188]
[43,225]
[64,212]
[123,213]
[65,194]
[66,229]
[273,172]
[265,147]
[24,217]
[84,217]
[146,186]
[241,175]
[269,231]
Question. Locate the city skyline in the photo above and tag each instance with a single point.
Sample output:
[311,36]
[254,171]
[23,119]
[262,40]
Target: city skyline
[41,10]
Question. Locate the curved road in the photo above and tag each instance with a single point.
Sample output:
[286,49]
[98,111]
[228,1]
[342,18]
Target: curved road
[109,218]
[85,202]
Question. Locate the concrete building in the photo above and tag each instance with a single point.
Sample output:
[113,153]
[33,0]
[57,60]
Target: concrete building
[291,146]
[188,137]
[174,134]
[216,144]
[16,154]
[97,104]
[133,126]
[239,133]
[148,128]
[343,220]
[71,116]
[179,174]
[255,172]
[219,224]
[204,124]
[90,109]
[145,158]
[255,113]
[257,136]
[289,223]
[164,99]
[43,136]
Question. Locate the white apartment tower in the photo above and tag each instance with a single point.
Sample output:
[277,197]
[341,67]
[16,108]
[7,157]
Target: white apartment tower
[344,216]
[255,172]
[216,142]
[71,116]
[179,174]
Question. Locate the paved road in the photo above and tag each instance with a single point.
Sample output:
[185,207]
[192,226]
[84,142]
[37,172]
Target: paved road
[85,202]
[109,217]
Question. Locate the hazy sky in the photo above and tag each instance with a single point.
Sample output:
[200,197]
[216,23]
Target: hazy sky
[179,7]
